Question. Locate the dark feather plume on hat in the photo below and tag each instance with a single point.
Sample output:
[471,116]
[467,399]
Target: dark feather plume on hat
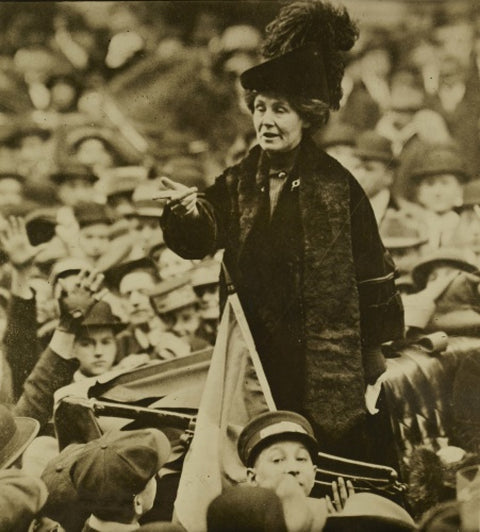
[314,21]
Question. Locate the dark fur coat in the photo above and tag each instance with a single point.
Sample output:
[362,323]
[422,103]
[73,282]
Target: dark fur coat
[345,293]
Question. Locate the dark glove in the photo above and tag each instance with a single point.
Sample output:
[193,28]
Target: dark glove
[76,303]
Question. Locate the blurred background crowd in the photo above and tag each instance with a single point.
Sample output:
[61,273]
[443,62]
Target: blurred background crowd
[98,100]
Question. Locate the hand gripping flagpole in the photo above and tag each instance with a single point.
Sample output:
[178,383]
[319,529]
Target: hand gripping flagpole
[234,301]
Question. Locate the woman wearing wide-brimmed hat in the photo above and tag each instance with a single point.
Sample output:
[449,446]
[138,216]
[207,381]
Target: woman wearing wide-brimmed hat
[301,242]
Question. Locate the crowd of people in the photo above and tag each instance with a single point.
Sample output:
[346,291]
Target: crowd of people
[118,245]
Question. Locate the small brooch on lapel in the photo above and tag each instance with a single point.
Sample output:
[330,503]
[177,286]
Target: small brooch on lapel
[295,184]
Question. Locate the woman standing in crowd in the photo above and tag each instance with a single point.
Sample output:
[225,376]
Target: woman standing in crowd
[300,238]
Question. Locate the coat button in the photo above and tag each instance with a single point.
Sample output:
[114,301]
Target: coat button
[282,175]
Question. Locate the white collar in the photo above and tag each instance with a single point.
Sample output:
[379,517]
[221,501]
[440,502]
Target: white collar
[110,526]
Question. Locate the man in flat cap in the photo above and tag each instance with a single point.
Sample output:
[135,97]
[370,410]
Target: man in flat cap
[115,477]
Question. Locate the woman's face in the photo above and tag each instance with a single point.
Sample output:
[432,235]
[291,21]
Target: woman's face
[440,193]
[278,126]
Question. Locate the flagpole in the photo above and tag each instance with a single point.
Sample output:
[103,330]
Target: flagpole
[245,329]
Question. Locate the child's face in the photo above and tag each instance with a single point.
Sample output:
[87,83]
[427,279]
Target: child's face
[439,193]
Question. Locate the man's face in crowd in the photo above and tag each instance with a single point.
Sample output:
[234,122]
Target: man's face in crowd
[183,322]
[96,350]
[286,457]
[439,193]
[94,153]
[74,191]
[94,239]
[374,176]
[209,301]
[149,231]
[62,96]
[134,289]
[10,191]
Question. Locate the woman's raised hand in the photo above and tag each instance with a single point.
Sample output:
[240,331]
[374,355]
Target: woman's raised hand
[182,200]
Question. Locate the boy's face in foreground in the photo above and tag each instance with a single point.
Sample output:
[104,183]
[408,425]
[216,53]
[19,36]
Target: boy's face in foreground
[286,457]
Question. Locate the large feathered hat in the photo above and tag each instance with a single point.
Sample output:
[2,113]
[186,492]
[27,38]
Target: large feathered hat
[304,48]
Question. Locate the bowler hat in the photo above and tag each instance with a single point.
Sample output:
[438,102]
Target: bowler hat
[69,171]
[300,72]
[399,230]
[109,471]
[372,146]
[337,133]
[368,512]
[101,315]
[272,426]
[90,213]
[246,508]
[453,257]
[16,433]
[437,160]
[22,496]
[115,274]
[173,294]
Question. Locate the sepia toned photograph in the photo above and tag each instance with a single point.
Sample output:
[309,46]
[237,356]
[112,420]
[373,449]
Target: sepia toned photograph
[240,266]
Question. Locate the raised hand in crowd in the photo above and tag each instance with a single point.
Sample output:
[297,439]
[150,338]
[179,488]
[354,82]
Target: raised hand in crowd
[76,302]
[16,245]
[21,254]
[182,200]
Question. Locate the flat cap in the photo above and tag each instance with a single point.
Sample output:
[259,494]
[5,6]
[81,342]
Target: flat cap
[109,471]
[173,294]
[373,146]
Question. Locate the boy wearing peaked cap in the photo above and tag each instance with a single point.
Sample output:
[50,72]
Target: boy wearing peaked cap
[279,450]
[115,477]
